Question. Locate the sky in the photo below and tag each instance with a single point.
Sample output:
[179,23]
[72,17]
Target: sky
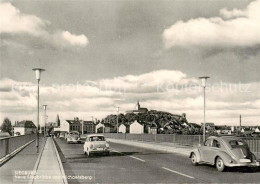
[103,54]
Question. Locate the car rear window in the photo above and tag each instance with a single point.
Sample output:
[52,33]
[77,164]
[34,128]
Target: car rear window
[74,133]
[237,143]
[97,138]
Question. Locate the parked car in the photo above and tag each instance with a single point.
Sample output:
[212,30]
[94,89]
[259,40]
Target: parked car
[73,137]
[62,135]
[83,138]
[224,151]
[96,143]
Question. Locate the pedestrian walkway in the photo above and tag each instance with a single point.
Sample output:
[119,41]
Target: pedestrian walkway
[49,168]
[166,147]
[14,170]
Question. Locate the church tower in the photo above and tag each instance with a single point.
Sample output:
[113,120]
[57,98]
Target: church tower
[138,105]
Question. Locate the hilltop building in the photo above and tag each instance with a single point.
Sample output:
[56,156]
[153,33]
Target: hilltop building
[139,109]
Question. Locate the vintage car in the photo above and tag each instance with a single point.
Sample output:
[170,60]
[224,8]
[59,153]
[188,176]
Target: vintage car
[83,138]
[224,151]
[73,137]
[96,143]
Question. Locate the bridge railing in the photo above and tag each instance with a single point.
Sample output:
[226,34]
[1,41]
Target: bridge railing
[189,140]
[10,144]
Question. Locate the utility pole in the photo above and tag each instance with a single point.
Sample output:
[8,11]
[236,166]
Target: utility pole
[117,120]
[38,77]
[240,122]
[45,108]
[204,80]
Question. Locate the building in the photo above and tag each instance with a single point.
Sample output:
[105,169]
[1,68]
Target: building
[24,127]
[76,125]
[88,127]
[122,129]
[139,109]
[100,128]
[152,129]
[136,128]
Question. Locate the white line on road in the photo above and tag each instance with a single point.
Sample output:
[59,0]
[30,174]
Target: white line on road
[178,173]
[137,158]
[130,156]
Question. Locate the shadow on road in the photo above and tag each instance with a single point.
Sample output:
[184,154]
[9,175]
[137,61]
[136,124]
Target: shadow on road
[235,169]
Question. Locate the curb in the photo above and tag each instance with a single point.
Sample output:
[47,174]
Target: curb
[31,181]
[11,155]
[60,163]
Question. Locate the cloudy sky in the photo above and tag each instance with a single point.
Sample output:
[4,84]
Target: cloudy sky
[107,53]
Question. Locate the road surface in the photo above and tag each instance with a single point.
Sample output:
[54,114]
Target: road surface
[128,164]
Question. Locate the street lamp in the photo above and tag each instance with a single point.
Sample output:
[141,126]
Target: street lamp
[203,83]
[45,108]
[117,120]
[38,77]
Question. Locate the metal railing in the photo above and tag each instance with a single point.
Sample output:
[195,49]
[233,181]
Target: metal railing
[189,140]
[10,144]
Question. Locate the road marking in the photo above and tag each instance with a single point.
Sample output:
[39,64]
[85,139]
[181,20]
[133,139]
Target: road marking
[130,156]
[137,158]
[178,173]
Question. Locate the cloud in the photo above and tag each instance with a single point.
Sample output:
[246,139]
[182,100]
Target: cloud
[225,102]
[80,40]
[13,21]
[235,28]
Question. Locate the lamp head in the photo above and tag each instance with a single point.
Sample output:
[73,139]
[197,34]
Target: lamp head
[44,107]
[38,72]
[204,80]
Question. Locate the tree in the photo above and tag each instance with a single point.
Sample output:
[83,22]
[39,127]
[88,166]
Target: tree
[7,126]
[58,120]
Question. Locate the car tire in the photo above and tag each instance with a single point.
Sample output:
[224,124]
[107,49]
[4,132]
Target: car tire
[194,159]
[220,164]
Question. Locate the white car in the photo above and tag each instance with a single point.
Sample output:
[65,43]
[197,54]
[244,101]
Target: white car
[96,143]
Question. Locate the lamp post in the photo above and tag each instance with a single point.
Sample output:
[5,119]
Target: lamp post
[45,108]
[203,81]
[117,120]
[38,77]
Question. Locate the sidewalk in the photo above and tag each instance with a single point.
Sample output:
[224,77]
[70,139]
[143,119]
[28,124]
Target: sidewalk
[49,168]
[22,161]
[162,146]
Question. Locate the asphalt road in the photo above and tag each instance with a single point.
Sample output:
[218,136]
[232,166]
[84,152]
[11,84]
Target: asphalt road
[128,164]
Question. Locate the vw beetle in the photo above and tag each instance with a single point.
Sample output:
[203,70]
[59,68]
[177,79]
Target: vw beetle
[73,137]
[224,151]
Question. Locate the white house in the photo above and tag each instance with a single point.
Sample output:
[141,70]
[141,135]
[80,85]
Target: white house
[122,129]
[257,130]
[136,128]
[24,127]
[99,128]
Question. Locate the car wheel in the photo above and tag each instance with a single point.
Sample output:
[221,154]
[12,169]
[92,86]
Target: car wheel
[194,159]
[220,164]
